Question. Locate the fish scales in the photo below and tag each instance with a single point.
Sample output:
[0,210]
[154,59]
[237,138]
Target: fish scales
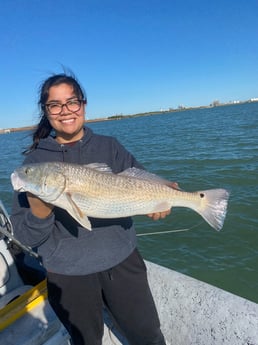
[127,195]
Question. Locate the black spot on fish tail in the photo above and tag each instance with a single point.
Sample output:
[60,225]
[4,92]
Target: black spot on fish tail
[202,195]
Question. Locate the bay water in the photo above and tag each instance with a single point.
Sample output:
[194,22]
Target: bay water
[200,149]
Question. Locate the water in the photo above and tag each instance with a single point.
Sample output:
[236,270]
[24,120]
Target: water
[199,149]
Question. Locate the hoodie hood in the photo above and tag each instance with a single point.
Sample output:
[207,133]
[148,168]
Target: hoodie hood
[49,150]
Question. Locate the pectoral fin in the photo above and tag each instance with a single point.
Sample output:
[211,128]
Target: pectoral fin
[77,213]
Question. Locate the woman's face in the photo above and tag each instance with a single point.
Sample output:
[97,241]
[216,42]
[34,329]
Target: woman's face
[68,125]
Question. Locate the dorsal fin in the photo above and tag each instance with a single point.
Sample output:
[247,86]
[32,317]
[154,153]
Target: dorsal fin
[103,167]
[143,175]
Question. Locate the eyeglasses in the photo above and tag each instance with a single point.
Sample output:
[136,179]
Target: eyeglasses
[72,105]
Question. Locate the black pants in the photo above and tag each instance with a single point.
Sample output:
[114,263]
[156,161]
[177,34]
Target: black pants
[78,302]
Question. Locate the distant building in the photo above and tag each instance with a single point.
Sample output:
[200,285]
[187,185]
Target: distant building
[215,103]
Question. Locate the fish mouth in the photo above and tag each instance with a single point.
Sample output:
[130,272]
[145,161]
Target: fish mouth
[17,182]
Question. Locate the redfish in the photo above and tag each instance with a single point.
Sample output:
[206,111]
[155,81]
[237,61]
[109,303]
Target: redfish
[94,191]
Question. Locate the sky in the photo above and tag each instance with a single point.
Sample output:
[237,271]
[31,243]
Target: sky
[131,56]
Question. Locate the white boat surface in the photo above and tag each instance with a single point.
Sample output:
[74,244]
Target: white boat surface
[191,312]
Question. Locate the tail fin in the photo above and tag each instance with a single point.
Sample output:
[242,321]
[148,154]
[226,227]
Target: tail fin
[214,207]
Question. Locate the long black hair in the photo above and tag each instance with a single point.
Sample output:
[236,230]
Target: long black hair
[44,128]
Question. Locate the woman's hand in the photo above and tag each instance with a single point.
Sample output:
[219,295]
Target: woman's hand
[159,215]
[38,207]
[164,214]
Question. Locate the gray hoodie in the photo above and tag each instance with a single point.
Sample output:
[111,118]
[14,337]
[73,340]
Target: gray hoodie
[63,245]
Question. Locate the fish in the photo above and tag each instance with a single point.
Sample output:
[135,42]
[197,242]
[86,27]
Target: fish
[93,190]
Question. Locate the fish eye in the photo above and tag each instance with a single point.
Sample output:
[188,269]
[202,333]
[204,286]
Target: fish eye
[27,170]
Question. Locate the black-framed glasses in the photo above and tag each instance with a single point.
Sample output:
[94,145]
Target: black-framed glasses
[73,106]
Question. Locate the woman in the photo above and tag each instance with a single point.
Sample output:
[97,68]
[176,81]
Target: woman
[85,270]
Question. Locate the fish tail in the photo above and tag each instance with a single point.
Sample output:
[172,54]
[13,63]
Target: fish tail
[213,206]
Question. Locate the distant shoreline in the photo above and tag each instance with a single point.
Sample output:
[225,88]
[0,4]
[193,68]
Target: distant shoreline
[120,117]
